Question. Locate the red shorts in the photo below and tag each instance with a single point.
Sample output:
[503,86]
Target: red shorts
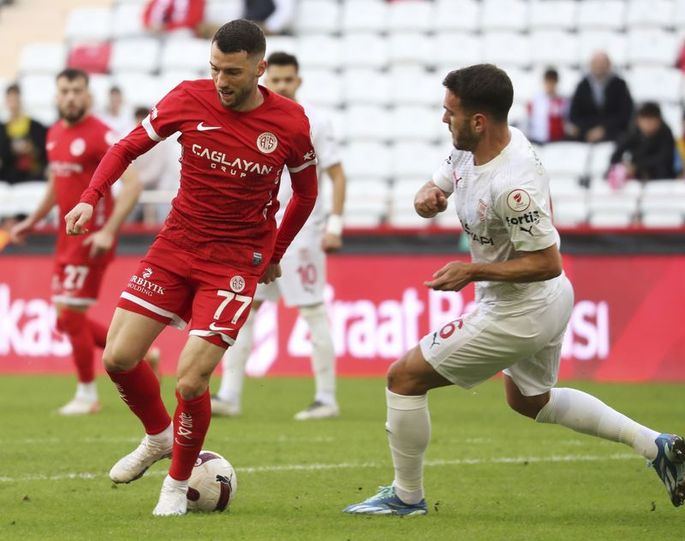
[77,284]
[173,286]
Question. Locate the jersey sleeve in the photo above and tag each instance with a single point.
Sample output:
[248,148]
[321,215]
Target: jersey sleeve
[327,151]
[301,154]
[526,216]
[164,119]
[442,177]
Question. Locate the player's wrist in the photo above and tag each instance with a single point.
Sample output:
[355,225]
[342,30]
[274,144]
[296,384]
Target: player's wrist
[334,225]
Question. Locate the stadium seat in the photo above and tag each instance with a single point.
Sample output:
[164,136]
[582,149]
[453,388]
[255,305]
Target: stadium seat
[99,86]
[661,219]
[287,44]
[169,79]
[416,161]
[410,16]
[364,16]
[451,15]
[140,90]
[600,156]
[365,51]
[554,48]
[89,24]
[318,51]
[413,123]
[24,196]
[663,196]
[672,114]
[525,82]
[37,91]
[655,13]
[402,212]
[366,160]
[91,57]
[613,43]
[518,116]
[135,54]
[552,14]
[653,83]
[679,14]
[366,202]
[611,219]
[185,53]
[601,14]
[318,16]
[504,15]
[569,202]
[218,12]
[127,21]
[507,49]
[42,58]
[412,85]
[455,50]
[568,80]
[365,86]
[652,47]
[411,48]
[566,159]
[5,199]
[613,208]
[321,87]
[365,122]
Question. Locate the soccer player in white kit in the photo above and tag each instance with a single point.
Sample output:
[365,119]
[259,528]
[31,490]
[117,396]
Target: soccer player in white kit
[303,265]
[523,300]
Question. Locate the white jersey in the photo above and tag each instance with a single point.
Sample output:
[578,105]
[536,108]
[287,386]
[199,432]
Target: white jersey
[504,207]
[326,146]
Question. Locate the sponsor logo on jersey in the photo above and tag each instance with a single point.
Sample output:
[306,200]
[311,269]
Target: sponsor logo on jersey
[185,429]
[480,239]
[202,127]
[213,327]
[77,147]
[529,218]
[257,258]
[147,273]
[267,142]
[65,169]
[237,283]
[518,200]
[233,166]
[143,285]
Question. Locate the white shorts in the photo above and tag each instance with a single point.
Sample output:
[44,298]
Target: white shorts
[303,269]
[525,343]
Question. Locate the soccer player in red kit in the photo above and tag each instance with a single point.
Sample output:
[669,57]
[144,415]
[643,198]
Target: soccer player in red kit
[75,145]
[218,241]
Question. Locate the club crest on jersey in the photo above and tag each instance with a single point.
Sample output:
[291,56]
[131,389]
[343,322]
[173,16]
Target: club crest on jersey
[77,147]
[237,283]
[147,273]
[518,200]
[267,142]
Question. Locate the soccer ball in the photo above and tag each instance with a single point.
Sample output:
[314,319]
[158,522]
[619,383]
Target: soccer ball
[212,484]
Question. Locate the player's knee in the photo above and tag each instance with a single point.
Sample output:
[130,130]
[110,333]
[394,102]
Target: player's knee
[528,406]
[400,380]
[117,359]
[70,321]
[191,386]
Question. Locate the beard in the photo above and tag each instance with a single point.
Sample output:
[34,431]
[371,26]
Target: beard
[467,139]
[74,115]
[238,98]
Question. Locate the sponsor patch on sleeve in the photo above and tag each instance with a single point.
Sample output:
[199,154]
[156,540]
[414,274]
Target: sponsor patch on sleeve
[518,200]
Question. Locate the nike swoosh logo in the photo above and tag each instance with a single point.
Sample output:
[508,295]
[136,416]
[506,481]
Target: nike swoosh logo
[202,127]
[213,327]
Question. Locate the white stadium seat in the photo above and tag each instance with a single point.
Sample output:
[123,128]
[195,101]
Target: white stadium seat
[526,84]
[654,13]
[565,159]
[412,85]
[89,24]
[550,14]
[679,14]
[24,195]
[366,202]
[457,49]
[321,87]
[613,208]
[318,51]
[365,122]
[507,49]
[46,115]
[402,212]
[414,123]
[283,44]
[554,47]
[364,16]
[601,14]
[416,160]
[504,15]
[672,114]
[667,196]
[366,160]
[170,79]
[37,91]
[99,86]
[410,16]
[219,12]
[569,202]
[652,47]
[141,90]
[613,43]
[411,48]
[135,54]
[43,58]
[365,86]
[518,115]
[611,218]
[365,50]
[662,219]
[185,53]
[318,17]
[652,83]
[127,21]
[600,156]
[451,15]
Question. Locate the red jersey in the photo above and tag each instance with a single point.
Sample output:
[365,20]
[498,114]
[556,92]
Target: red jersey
[230,171]
[74,153]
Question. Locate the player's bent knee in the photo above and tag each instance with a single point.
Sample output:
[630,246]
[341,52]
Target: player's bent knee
[402,380]
[528,406]
[190,387]
[117,359]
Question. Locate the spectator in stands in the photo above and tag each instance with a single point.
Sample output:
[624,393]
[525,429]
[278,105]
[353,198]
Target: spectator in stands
[601,107]
[648,151]
[22,142]
[547,111]
[274,16]
[177,16]
[116,114]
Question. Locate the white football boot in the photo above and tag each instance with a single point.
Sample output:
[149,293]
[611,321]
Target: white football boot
[224,408]
[80,406]
[173,499]
[318,410]
[136,463]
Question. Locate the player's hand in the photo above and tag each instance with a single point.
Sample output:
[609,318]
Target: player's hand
[452,277]
[430,201]
[100,243]
[331,242]
[77,218]
[19,231]
[272,272]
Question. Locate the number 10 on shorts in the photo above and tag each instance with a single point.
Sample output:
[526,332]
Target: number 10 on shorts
[228,297]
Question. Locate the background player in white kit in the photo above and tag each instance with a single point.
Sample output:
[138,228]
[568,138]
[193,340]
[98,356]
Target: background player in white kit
[303,265]
[524,301]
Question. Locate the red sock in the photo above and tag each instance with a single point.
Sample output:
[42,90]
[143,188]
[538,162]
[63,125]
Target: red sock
[139,388]
[191,421]
[73,324]
[99,332]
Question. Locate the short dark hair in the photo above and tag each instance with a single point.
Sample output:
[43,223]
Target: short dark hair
[13,89]
[551,74]
[649,109]
[240,35]
[71,74]
[280,58]
[114,89]
[482,88]
[141,112]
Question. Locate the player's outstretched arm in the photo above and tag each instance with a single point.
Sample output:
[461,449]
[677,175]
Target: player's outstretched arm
[430,200]
[101,241]
[19,232]
[332,239]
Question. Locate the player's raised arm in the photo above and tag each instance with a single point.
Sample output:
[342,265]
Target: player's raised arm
[430,200]
[19,231]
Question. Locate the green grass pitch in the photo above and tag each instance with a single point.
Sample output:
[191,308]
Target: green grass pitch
[490,474]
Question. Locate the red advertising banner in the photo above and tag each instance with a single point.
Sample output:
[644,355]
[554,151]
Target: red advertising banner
[625,325]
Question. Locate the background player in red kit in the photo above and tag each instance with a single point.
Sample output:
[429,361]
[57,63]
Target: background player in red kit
[75,145]
[218,240]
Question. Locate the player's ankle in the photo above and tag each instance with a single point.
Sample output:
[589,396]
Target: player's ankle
[409,497]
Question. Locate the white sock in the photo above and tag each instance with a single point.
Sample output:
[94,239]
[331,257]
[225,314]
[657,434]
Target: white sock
[87,391]
[409,431]
[323,352]
[585,413]
[234,361]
